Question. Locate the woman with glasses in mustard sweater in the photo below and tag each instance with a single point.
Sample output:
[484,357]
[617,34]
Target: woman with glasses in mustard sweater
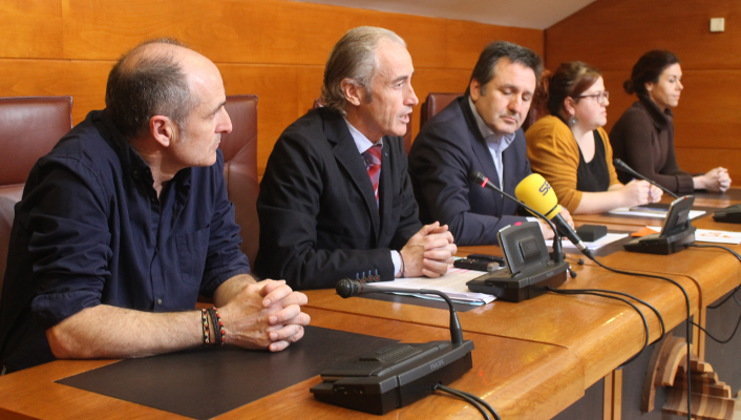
[572,150]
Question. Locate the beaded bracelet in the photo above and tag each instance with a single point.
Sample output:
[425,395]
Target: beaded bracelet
[218,326]
[205,320]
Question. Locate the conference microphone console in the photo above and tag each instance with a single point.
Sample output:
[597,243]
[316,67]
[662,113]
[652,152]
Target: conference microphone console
[398,374]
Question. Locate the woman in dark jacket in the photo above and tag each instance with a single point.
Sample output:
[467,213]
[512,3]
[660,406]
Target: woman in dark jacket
[643,137]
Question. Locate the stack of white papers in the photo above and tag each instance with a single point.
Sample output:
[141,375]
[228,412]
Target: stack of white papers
[657,213]
[453,283]
[592,245]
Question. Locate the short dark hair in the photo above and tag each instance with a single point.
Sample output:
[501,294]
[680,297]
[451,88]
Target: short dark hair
[483,71]
[571,79]
[142,85]
[647,69]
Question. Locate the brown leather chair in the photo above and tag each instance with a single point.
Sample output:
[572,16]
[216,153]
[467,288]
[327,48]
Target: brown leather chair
[407,137]
[240,167]
[29,128]
[435,102]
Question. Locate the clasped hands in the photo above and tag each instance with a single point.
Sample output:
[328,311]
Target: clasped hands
[265,315]
[428,252]
[717,179]
[639,192]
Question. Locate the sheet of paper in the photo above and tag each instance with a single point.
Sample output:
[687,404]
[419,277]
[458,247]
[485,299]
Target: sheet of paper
[453,283]
[656,213]
[714,236]
[593,245]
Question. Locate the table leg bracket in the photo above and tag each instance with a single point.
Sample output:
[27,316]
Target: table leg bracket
[711,398]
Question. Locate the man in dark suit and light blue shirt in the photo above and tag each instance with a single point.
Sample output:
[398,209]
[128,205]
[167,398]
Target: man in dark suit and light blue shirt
[327,210]
[479,131]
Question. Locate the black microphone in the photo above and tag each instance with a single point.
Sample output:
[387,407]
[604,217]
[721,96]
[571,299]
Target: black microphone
[625,168]
[483,180]
[347,288]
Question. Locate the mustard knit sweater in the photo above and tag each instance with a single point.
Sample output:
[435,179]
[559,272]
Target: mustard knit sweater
[554,153]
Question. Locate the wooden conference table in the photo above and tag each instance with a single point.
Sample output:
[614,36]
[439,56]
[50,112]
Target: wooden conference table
[532,359]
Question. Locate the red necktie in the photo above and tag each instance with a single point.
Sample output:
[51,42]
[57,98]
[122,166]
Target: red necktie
[372,158]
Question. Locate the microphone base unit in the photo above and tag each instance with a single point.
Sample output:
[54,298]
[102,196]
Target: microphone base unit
[393,376]
[730,214]
[521,286]
[663,245]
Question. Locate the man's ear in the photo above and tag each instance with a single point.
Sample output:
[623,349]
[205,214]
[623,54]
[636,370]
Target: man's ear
[353,92]
[474,90]
[162,129]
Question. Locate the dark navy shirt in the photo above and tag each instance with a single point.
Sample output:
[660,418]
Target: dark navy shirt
[90,229]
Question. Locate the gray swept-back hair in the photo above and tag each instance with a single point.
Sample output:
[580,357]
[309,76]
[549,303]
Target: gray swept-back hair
[353,57]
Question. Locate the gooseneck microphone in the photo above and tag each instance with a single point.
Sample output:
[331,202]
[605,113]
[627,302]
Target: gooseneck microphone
[347,288]
[485,183]
[537,193]
[395,374]
[625,168]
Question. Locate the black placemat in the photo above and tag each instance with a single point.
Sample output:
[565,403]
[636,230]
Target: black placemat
[207,382]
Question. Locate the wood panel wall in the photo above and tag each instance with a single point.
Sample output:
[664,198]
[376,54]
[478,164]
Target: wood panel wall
[612,34]
[275,49]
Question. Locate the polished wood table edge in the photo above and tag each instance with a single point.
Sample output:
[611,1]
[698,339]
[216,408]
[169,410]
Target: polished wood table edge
[438,317]
[33,393]
[595,277]
[730,197]
[716,272]
[519,379]
[608,322]
[313,294]
[713,275]
[539,380]
[619,223]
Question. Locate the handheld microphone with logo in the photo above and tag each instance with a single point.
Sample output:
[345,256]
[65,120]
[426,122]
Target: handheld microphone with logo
[481,179]
[625,168]
[537,193]
[398,374]
[529,271]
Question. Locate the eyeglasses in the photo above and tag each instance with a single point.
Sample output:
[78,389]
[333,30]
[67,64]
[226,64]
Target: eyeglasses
[600,97]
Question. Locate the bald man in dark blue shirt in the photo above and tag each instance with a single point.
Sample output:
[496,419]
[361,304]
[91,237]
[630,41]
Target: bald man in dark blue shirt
[127,221]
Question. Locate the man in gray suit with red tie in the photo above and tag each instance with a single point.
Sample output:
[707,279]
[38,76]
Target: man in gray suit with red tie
[336,199]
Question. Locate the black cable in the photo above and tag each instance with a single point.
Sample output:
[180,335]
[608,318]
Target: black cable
[598,292]
[687,324]
[724,341]
[725,299]
[464,396]
[639,300]
[732,252]
[484,403]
